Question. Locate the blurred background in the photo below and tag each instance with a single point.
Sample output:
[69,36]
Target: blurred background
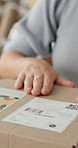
[10,12]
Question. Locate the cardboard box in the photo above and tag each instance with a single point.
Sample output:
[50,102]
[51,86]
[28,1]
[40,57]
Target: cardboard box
[19,136]
[9,17]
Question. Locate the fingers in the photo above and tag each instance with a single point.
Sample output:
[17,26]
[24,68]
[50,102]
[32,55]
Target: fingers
[20,81]
[40,84]
[65,83]
[37,85]
[47,85]
[28,84]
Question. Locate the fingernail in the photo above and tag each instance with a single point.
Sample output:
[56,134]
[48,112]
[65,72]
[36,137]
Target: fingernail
[45,91]
[28,90]
[74,85]
[18,85]
[35,91]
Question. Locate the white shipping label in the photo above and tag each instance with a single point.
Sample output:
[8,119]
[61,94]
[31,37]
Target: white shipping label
[45,114]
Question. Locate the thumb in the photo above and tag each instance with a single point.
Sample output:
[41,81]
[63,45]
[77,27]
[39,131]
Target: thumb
[62,82]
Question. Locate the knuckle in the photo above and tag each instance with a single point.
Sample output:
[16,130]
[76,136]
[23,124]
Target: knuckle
[29,78]
[36,86]
[20,75]
[48,73]
[48,84]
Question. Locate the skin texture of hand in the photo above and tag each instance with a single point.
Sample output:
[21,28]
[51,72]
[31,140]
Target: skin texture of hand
[37,75]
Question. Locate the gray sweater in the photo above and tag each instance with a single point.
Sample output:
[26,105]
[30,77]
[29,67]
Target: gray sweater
[47,22]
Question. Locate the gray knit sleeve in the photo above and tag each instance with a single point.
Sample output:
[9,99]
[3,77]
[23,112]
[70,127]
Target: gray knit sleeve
[34,33]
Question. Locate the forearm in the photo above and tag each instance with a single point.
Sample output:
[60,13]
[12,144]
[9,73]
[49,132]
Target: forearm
[37,75]
[11,64]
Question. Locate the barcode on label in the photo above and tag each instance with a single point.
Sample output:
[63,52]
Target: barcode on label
[72,107]
[32,110]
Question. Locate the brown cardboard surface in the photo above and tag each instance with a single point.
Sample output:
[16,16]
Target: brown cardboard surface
[19,136]
[9,17]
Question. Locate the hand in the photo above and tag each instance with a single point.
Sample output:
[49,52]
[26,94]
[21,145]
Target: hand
[39,77]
